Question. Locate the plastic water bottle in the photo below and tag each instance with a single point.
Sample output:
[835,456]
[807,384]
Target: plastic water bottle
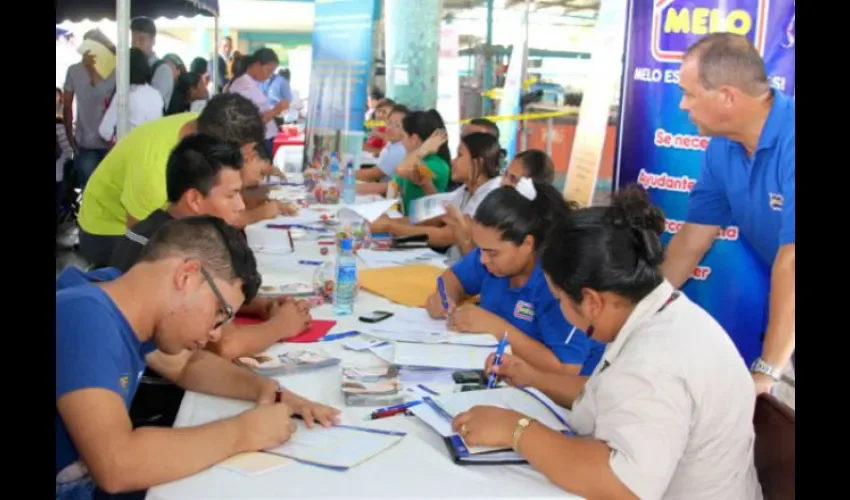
[345,288]
[349,191]
[333,166]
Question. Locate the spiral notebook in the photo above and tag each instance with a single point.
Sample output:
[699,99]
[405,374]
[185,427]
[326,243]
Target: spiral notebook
[439,411]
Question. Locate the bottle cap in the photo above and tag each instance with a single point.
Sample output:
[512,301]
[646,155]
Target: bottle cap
[346,244]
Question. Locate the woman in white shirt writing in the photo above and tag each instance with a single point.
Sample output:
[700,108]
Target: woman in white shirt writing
[668,412]
[145,101]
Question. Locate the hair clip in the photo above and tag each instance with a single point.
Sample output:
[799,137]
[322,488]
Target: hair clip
[526,188]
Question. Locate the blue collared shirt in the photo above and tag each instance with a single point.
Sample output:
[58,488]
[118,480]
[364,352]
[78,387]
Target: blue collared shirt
[277,89]
[531,308]
[756,193]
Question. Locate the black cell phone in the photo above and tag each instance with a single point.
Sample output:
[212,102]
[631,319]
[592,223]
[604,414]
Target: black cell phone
[469,377]
[472,387]
[375,316]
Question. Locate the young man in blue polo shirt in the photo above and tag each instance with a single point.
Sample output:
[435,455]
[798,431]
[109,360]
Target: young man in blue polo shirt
[192,276]
[748,177]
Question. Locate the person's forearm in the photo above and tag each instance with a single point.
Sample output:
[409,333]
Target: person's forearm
[131,221]
[466,246]
[371,188]
[428,188]
[779,340]
[371,174]
[68,121]
[680,260]
[578,465]
[210,374]
[245,340]
[269,115]
[95,79]
[560,388]
[249,216]
[437,236]
[155,455]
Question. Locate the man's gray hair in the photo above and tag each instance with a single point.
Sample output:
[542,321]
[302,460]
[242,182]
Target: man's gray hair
[729,59]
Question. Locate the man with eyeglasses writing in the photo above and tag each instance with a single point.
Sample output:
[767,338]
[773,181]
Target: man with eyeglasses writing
[192,275]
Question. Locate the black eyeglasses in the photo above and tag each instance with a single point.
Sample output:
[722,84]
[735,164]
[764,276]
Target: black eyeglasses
[226,309]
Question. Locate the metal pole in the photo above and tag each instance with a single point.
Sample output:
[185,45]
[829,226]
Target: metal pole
[215,57]
[122,66]
[550,132]
[486,103]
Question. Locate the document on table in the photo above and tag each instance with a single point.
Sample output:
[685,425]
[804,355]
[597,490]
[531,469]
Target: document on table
[456,357]
[254,463]
[389,258]
[438,412]
[304,217]
[416,325]
[369,211]
[340,447]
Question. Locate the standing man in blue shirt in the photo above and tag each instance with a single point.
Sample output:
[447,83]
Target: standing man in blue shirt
[191,278]
[748,177]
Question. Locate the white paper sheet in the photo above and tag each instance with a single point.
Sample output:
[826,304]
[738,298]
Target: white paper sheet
[391,258]
[369,211]
[337,446]
[416,325]
[448,356]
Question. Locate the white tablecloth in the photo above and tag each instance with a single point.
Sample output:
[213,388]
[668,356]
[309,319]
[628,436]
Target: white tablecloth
[419,466]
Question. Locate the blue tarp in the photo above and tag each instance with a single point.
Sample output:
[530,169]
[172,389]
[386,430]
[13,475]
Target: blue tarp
[95,10]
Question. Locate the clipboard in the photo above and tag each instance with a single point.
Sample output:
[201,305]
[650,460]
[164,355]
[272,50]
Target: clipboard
[462,455]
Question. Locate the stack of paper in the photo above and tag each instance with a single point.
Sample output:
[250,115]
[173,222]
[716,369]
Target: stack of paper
[416,325]
[375,259]
[433,206]
[254,463]
[340,447]
[447,356]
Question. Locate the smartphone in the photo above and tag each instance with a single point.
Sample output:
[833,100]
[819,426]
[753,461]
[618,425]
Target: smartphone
[375,316]
[469,377]
[472,387]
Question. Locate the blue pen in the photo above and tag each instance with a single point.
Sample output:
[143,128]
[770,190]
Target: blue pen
[500,350]
[402,406]
[437,408]
[441,287]
[337,336]
[310,262]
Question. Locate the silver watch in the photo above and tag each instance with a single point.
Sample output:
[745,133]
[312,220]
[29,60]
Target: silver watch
[762,366]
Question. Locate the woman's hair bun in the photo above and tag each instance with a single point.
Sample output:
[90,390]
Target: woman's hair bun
[632,209]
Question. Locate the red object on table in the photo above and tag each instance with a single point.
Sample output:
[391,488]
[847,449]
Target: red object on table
[318,329]
[288,136]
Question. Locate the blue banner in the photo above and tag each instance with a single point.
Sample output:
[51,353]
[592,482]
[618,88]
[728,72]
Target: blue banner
[339,78]
[661,150]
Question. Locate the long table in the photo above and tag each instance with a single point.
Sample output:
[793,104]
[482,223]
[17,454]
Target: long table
[419,466]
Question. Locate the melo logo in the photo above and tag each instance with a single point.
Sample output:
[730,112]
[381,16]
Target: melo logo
[776,201]
[677,24]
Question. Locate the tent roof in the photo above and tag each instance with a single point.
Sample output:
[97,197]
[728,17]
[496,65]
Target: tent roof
[78,10]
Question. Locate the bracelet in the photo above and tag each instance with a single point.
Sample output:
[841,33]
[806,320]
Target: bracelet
[521,425]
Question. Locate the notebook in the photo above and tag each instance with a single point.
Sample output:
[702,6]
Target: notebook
[340,447]
[406,285]
[438,411]
[254,463]
[318,329]
[449,356]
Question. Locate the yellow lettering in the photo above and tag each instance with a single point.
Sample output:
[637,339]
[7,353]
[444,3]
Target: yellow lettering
[739,22]
[677,22]
[700,26]
[703,21]
[717,23]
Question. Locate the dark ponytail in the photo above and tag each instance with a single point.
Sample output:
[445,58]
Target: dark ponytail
[515,216]
[538,164]
[484,148]
[180,102]
[608,249]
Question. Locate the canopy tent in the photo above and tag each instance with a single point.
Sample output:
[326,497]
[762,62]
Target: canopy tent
[122,11]
[78,10]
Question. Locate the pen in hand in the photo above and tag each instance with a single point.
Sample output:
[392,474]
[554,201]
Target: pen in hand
[497,360]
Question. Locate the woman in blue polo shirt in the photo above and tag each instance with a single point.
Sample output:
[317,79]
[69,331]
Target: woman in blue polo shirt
[508,231]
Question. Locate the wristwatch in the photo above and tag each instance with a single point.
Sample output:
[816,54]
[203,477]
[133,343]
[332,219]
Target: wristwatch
[521,425]
[763,367]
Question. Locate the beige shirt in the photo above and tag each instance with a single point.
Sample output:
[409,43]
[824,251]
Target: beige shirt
[674,401]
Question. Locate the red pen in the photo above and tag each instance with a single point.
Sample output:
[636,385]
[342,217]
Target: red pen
[390,413]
